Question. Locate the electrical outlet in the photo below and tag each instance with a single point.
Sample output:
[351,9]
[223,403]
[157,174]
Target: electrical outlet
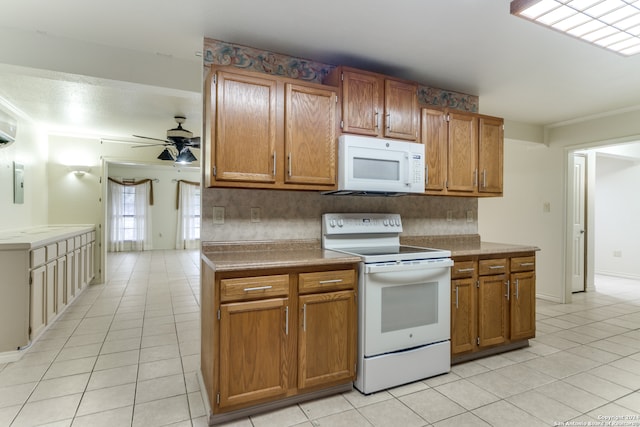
[449,216]
[617,254]
[546,207]
[469,216]
[218,214]
[255,214]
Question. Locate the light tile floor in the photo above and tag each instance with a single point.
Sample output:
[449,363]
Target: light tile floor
[126,353]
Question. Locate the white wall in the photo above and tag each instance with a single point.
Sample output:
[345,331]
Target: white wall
[533,177]
[29,149]
[617,210]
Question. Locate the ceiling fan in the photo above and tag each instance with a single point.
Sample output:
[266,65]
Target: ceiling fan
[177,144]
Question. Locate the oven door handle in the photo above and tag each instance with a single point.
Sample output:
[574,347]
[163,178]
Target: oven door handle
[386,268]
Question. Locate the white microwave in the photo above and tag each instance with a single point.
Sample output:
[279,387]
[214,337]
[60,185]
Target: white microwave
[375,166]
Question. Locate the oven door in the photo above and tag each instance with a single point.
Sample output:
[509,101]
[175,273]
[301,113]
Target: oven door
[405,305]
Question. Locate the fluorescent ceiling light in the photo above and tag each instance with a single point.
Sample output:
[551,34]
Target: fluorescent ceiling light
[612,24]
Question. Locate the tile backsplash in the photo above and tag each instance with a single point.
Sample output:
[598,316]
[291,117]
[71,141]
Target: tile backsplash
[296,214]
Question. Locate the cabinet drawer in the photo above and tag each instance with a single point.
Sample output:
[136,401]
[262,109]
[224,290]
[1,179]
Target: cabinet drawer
[524,263]
[62,247]
[38,256]
[71,244]
[78,241]
[492,266]
[462,269]
[326,281]
[249,288]
[52,252]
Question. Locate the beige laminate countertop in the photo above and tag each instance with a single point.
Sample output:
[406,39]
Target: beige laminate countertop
[260,255]
[466,245]
[237,256]
[33,237]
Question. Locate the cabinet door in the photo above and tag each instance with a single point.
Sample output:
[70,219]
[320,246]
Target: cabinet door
[52,301]
[434,137]
[523,305]
[310,139]
[245,130]
[463,315]
[253,351]
[490,154]
[362,103]
[72,276]
[462,171]
[492,309]
[327,338]
[400,110]
[61,283]
[38,301]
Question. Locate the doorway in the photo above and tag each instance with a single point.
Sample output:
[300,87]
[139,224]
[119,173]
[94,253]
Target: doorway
[578,210]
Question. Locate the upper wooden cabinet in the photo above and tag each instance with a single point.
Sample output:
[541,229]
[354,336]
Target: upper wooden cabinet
[269,132]
[464,153]
[376,105]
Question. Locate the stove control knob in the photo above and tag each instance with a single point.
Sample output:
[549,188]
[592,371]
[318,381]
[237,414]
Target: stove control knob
[398,222]
[340,223]
[332,223]
[386,222]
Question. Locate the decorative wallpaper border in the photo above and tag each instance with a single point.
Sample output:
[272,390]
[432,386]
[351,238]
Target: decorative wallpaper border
[223,53]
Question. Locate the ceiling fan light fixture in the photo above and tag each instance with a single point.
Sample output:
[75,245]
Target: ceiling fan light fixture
[605,23]
[185,156]
[166,155]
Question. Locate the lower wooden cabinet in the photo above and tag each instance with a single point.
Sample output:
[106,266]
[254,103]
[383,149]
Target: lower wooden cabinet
[253,351]
[326,334]
[272,334]
[492,303]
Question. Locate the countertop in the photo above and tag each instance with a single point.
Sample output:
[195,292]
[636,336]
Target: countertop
[236,256]
[250,255]
[466,245]
[33,237]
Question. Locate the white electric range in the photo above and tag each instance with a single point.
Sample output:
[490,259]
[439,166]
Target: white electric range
[403,300]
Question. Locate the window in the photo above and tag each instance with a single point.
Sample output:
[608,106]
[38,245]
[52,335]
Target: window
[188,229]
[129,216]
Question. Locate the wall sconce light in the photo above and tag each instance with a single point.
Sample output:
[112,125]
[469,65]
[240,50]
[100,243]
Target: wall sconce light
[79,171]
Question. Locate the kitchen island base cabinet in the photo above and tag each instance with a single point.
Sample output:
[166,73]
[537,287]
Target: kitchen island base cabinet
[271,337]
[492,305]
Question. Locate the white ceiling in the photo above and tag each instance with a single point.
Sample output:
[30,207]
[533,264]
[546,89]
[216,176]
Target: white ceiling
[519,70]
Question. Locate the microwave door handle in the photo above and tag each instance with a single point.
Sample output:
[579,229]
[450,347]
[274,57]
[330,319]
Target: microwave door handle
[409,169]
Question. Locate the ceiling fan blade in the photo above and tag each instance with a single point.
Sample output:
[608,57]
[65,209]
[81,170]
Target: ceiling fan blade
[154,139]
[194,142]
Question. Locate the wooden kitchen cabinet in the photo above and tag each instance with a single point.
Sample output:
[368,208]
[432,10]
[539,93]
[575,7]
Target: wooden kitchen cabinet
[269,132]
[463,306]
[376,105]
[328,321]
[523,297]
[493,300]
[464,153]
[310,136]
[273,334]
[435,138]
[492,304]
[490,154]
[253,351]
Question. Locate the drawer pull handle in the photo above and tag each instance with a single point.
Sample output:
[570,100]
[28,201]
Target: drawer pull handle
[325,282]
[286,320]
[526,264]
[496,267]
[258,288]
[465,270]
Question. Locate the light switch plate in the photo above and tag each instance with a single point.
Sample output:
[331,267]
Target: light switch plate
[218,214]
[255,214]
